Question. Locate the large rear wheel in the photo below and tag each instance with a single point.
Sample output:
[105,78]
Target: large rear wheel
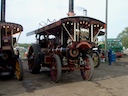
[56,68]
[19,70]
[33,59]
[87,71]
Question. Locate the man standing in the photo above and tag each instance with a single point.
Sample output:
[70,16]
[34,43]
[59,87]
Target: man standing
[110,56]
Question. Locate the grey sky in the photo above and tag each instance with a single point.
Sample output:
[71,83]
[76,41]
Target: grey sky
[29,13]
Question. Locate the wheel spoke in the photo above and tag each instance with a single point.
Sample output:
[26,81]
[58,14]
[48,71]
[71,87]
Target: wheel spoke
[56,68]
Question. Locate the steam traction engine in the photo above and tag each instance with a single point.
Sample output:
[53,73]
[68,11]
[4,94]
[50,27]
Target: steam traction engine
[65,45]
[10,62]
[69,49]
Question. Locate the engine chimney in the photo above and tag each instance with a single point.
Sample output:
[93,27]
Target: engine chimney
[3,2]
[71,8]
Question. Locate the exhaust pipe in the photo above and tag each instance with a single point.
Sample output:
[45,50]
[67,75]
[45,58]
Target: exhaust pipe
[85,12]
[3,5]
[71,8]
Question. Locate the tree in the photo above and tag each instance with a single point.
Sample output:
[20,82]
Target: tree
[125,41]
[25,45]
[124,37]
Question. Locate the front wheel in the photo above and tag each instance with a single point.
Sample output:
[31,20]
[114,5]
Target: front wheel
[88,68]
[19,70]
[56,68]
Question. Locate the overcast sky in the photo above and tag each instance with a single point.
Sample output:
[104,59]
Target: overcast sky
[29,13]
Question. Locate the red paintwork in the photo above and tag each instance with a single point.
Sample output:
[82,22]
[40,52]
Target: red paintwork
[83,45]
[119,54]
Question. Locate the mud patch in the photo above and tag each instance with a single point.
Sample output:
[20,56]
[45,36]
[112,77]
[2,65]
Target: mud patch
[29,85]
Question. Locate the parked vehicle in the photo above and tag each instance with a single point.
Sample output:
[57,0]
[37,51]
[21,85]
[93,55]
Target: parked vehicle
[10,63]
[69,50]
[116,46]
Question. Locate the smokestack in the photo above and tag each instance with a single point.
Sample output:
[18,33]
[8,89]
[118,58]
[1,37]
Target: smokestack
[3,10]
[71,8]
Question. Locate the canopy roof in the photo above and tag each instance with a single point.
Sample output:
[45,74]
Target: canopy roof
[56,26]
[11,26]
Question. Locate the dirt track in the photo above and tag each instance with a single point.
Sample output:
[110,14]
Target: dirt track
[107,81]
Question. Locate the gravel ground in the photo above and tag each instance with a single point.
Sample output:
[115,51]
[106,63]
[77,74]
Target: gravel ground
[107,81]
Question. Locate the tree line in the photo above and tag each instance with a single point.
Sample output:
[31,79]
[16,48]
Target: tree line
[25,45]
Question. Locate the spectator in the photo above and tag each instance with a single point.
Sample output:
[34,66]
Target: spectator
[102,57]
[17,53]
[110,56]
